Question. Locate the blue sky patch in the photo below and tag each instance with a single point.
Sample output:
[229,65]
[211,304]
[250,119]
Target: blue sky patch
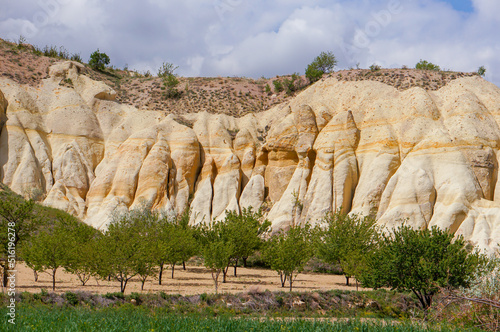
[461,5]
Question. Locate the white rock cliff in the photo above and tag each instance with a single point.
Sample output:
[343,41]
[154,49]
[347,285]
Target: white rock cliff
[421,157]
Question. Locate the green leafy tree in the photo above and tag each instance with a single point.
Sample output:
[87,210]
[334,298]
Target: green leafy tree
[425,65]
[323,63]
[18,220]
[189,246]
[288,252]
[421,261]
[173,242]
[99,60]
[81,251]
[145,222]
[217,249]
[346,241]
[51,248]
[481,71]
[245,233]
[182,244]
[122,249]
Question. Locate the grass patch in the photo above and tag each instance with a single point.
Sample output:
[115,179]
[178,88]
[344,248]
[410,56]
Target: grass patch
[130,318]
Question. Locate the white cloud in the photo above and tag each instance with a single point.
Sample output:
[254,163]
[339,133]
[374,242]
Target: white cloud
[255,38]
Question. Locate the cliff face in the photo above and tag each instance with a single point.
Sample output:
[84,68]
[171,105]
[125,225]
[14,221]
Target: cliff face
[428,157]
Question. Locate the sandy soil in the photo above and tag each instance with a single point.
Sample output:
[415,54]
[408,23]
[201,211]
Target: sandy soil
[195,280]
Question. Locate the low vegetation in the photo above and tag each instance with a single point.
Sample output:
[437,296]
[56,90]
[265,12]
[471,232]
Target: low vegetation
[322,64]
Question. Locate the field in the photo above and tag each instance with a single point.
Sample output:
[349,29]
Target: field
[131,319]
[195,280]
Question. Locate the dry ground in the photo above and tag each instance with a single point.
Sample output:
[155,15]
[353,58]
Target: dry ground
[195,280]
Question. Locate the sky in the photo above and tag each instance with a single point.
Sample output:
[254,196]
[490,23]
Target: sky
[264,38]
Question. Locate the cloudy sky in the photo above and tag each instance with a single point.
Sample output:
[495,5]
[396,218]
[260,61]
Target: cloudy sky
[257,38]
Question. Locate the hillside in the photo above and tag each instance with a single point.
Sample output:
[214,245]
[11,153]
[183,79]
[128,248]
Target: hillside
[234,96]
[424,155]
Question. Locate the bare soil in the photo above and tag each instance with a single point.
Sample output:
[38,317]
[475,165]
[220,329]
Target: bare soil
[195,280]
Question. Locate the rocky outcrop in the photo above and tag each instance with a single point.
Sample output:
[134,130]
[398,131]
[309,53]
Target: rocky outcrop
[421,157]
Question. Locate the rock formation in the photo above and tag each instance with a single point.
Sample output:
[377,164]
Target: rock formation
[421,157]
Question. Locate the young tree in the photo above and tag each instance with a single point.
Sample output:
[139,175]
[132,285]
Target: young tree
[244,232]
[217,248]
[346,241]
[173,242]
[323,63]
[421,261]
[98,60]
[288,252]
[82,251]
[51,247]
[425,65]
[18,220]
[121,249]
[216,255]
[145,227]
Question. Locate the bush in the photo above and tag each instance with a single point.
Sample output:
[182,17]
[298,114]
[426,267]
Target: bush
[481,71]
[98,60]
[72,298]
[323,63]
[268,89]
[167,69]
[375,67]
[425,65]
[171,82]
[76,57]
[278,86]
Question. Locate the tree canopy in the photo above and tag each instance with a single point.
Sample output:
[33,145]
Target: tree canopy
[287,252]
[346,241]
[323,63]
[421,261]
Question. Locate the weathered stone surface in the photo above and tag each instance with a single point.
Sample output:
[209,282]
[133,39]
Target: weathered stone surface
[426,158]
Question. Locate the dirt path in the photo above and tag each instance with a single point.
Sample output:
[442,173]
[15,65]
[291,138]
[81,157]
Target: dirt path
[195,280]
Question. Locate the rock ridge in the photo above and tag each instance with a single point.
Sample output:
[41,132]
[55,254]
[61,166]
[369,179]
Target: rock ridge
[416,156]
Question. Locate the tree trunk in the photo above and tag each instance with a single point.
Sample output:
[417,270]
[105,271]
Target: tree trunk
[215,277]
[123,285]
[36,276]
[291,281]
[244,261]
[161,273]
[356,285]
[184,265]
[224,273]
[143,281]
[235,266]
[283,279]
[347,281]
[173,266]
[54,279]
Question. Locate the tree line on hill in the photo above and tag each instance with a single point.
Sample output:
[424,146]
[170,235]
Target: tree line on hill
[143,244]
